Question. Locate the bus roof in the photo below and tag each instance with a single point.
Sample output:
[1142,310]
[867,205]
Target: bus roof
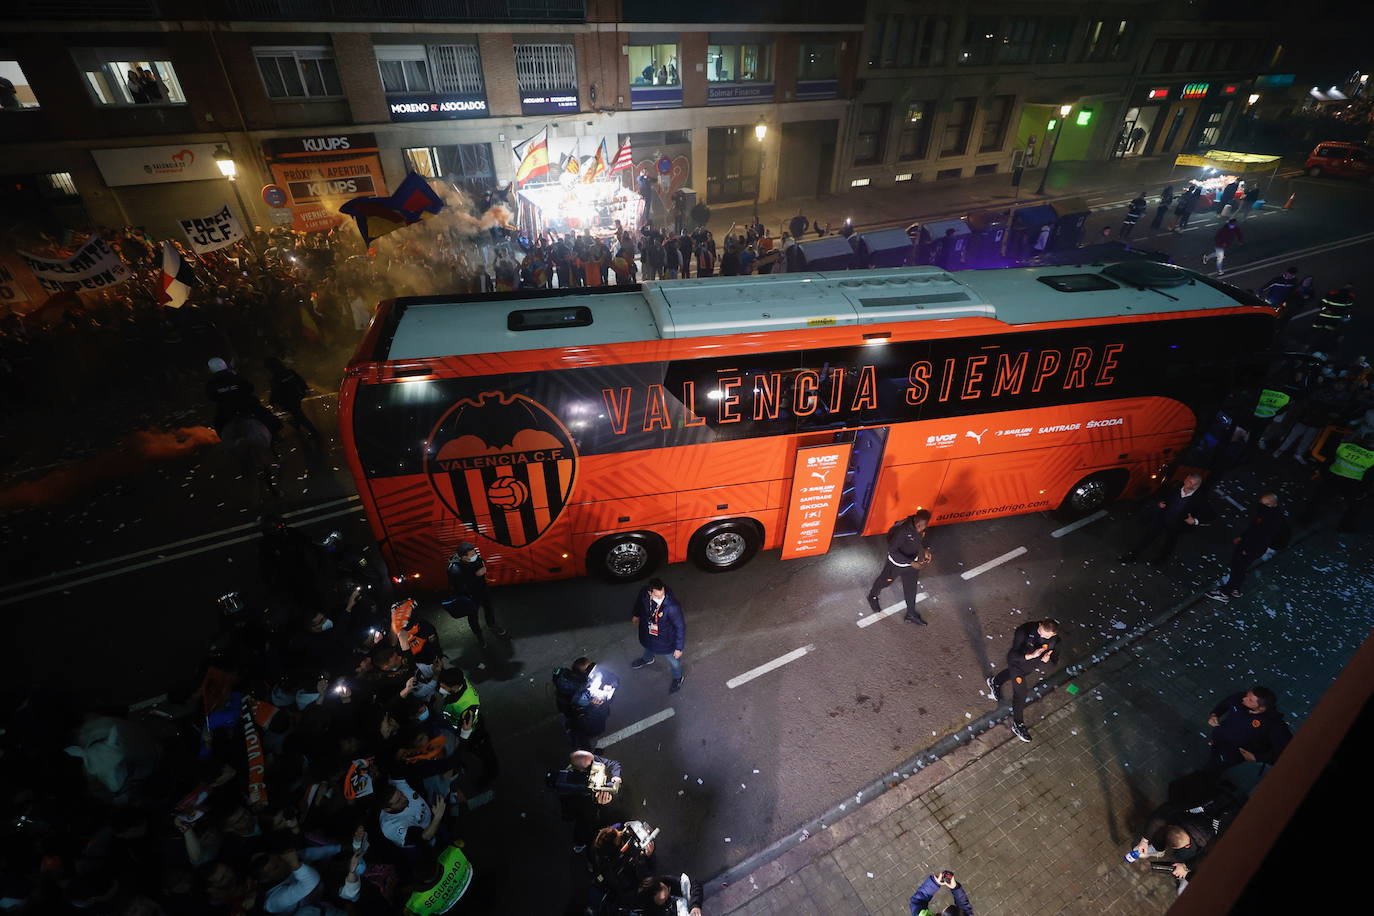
[438,326]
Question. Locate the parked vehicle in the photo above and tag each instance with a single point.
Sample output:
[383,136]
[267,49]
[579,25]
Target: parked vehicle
[1341,160]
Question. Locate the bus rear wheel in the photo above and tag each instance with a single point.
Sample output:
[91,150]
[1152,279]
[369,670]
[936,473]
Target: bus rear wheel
[1092,493]
[625,557]
[725,545]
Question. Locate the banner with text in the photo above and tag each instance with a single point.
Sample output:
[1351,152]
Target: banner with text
[817,482]
[95,266]
[211,233]
[319,173]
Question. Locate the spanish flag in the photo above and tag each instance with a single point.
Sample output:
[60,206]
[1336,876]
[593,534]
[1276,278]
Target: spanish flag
[534,157]
[598,166]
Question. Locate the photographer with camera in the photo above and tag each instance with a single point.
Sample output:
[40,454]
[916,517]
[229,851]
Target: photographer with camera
[920,901]
[585,787]
[621,857]
[664,895]
[583,694]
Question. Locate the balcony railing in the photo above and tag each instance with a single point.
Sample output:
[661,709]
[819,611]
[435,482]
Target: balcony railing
[403,10]
[89,10]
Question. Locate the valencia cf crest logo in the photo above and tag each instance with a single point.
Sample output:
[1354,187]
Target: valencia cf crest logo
[504,464]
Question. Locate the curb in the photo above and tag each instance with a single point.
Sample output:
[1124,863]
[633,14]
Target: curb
[932,756]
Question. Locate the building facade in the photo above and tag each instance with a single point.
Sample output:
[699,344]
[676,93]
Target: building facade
[120,108]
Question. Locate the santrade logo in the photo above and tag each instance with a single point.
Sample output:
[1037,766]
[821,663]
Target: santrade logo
[504,464]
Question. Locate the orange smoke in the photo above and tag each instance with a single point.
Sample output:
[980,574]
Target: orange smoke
[131,455]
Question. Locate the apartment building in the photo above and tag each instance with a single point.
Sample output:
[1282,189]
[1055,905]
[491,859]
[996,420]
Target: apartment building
[120,108]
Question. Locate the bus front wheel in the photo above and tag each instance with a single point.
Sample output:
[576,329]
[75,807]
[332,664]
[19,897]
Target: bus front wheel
[725,545]
[1092,493]
[625,557]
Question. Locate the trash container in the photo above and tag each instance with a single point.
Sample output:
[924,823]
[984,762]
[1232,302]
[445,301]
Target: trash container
[884,248]
[831,252]
[944,243]
[1072,219]
[1027,225]
[985,246]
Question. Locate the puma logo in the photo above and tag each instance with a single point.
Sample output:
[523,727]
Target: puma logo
[978,437]
[821,476]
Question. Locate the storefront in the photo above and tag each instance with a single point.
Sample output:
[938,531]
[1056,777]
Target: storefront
[319,173]
[156,186]
[1169,118]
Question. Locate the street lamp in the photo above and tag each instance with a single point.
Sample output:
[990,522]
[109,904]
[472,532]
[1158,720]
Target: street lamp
[1063,119]
[760,131]
[230,169]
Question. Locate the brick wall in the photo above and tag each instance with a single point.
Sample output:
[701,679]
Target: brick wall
[362,85]
[693,59]
[237,50]
[498,70]
[600,63]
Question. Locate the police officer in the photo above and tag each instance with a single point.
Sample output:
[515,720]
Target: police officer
[1035,643]
[234,397]
[467,580]
[1346,476]
[906,554]
[1329,325]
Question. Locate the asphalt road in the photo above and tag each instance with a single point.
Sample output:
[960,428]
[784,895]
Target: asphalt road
[126,577]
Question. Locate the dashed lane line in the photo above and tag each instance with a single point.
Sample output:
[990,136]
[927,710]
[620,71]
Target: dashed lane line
[635,728]
[1081,523]
[870,619]
[766,667]
[992,564]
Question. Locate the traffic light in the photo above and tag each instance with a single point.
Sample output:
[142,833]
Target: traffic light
[1085,116]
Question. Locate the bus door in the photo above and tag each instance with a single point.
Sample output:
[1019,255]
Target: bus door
[861,478]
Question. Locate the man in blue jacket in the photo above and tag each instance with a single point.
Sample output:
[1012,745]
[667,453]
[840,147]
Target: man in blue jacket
[1246,727]
[662,631]
[920,901]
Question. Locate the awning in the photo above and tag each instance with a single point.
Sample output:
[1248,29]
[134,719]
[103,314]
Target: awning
[1229,161]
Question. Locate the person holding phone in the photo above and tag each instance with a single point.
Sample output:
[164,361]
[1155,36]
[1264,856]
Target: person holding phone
[920,901]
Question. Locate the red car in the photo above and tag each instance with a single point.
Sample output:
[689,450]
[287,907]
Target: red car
[1343,160]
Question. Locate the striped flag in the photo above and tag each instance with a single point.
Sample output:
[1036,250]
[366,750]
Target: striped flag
[598,166]
[622,158]
[177,278]
[534,157]
[571,166]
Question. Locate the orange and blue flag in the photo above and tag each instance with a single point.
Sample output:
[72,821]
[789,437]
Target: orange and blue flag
[413,201]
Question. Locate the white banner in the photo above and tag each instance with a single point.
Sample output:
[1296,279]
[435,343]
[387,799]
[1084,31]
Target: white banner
[11,293]
[211,233]
[95,266]
[157,164]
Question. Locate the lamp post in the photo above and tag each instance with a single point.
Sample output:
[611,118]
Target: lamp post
[230,170]
[760,131]
[1063,119]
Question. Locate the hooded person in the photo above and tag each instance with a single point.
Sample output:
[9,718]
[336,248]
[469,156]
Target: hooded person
[234,397]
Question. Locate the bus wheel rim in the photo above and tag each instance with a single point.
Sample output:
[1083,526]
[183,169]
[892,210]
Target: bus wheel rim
[1089,494]
[725,548]
[626,558]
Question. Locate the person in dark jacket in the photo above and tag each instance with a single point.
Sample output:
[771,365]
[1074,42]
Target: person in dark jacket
[920,901]
[234,397]
[662,631]
[1267,528]
[1134,211]
[1034,643]
[583,694]
[659,895]
[1180,834]
[906,548]
[1177,508]
[1247,727]
[467,581]
[1166,198]
[287,391]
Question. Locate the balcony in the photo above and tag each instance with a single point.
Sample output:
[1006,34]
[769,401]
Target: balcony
[401,10]
[91,10]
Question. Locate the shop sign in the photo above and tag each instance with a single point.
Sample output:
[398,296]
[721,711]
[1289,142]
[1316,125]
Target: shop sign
[1274,80]
[1195,91]
[438,107]
[1230,89]
[817,89]
[157,164]
[655,97]
[1157,94]
[561,101]
[320,173]
[741,94]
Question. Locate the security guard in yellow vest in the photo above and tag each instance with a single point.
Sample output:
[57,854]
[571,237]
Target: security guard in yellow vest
[461,709]
[1348,477]
[440,890]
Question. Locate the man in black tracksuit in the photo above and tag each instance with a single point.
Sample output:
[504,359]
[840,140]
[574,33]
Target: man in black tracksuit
[1035,643]
[1175,509]
[905,548]
[467,580]
[1267,527]
[1247,727]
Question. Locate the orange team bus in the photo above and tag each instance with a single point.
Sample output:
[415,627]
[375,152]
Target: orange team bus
[608,430]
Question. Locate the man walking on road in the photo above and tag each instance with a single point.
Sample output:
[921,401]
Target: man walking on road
[1247,727]
[907,553]
[1226,236]
[1034,643]
[1134,211]
[1267,527]
[467,579]
[662,631]
[1174,510]
[1166,197]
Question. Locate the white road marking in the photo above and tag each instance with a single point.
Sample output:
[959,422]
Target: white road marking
[636,727]
[1227,496]
[1303,253]
[871,619]
[992,564]
[157,561]
[766,667]
[162,548]
[1082,522]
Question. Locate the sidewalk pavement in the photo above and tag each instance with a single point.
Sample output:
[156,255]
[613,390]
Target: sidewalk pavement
[906,203]
[1041,828]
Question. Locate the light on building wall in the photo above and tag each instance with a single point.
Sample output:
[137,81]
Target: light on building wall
[1254,97]
[227,167]
[760,131]
[1064,110]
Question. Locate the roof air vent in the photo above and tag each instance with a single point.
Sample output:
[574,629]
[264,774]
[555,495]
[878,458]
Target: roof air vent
[1148,274]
